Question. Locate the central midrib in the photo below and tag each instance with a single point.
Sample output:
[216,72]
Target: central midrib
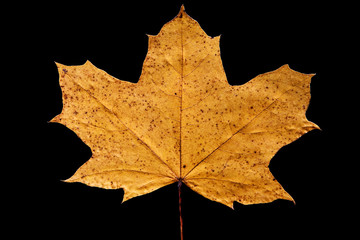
[181,94]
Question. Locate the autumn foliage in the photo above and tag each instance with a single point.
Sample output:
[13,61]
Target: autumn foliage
[182,122]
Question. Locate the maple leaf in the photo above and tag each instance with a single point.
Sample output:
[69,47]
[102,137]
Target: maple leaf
[182,122]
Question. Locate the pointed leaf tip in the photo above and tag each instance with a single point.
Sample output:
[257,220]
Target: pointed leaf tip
[286,66]
[182,11]
[182,8]
[58,65]
[56,119]
[69,180]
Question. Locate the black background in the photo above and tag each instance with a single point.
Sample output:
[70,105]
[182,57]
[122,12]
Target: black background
[113,37]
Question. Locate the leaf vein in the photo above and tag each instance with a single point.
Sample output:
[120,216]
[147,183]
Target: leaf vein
[119,170]
[201,61]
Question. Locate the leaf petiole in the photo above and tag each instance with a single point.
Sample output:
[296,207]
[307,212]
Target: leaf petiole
[180,213]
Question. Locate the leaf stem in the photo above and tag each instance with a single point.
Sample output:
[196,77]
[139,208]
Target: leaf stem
[180,213]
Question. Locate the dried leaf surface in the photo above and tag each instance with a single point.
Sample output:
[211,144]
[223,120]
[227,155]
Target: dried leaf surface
[183,121]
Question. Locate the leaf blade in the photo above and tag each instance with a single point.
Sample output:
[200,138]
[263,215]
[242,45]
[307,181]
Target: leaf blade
[183,122]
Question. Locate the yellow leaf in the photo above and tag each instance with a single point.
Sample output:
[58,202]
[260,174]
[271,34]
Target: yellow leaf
[183,122]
